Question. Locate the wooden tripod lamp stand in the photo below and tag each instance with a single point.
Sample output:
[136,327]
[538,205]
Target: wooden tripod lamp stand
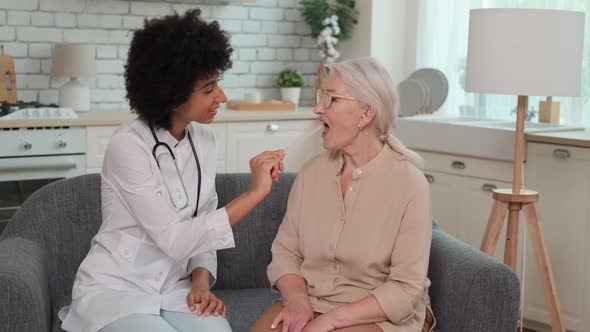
[524,52]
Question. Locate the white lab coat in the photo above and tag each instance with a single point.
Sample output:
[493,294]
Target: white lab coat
[141,258]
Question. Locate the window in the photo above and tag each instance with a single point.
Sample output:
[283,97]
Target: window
[442,32]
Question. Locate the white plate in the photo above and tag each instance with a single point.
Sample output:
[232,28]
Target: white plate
[413,97]
[436,82]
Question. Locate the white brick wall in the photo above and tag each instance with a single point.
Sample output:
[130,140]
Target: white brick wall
[108,7]
[40,50]
[20,4]
[19,18]
[42,19]
[30,34]
[7,33]
[64,20]
[267,36]
[18,50]
[106,52]
[62,5]
[267,53]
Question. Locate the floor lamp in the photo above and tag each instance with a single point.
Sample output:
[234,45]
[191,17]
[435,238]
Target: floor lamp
[524,52]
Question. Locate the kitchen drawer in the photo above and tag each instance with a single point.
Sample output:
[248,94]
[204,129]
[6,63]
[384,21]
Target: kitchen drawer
[467,166]
[558,152]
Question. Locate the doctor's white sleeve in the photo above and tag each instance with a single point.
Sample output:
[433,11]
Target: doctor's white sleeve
[207,260]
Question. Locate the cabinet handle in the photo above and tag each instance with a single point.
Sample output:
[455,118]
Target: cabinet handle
[458,165]
[273,127]
[429,178]
[561,154]
[488,187]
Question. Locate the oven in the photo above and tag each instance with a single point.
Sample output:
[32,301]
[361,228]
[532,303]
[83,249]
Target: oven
[32,157]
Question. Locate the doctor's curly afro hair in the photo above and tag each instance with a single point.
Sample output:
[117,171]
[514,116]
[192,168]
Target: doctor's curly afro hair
[167,57]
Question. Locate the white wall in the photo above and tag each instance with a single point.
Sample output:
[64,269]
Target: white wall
[359,45]
[386,30]
[267,35]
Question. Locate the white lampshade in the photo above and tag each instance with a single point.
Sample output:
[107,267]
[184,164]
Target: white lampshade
[528,52]
[73,60]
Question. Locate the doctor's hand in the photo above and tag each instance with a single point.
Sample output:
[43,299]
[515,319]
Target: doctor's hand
[265,169]
[208,302]
[201,294]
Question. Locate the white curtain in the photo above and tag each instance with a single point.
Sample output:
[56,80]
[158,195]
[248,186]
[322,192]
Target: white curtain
[442,31]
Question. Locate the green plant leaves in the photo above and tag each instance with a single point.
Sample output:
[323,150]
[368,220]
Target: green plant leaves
[290,78]
[315,11]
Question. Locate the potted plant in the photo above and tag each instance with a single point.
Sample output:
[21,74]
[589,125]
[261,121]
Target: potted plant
[290,81]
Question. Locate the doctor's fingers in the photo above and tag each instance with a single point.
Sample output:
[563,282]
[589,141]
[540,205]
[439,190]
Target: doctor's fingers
[213,304]
[276,171]
[204,304]
[190,301]
[279,153]
[219,308]
[267,162]
[269,154]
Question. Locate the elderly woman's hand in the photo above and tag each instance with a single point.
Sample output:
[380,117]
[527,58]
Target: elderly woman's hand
[320,324]
[297,312]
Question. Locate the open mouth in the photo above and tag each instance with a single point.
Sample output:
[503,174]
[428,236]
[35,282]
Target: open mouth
[326,130]
[213,111]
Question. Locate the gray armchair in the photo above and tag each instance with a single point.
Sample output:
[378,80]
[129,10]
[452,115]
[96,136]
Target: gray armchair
[48,237]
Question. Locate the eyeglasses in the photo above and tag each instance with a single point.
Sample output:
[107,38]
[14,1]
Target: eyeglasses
[326,98]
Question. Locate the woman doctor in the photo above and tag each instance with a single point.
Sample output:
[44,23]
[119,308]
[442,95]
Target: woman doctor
[152,263]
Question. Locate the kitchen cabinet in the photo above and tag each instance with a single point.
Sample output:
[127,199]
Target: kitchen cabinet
[561,175]
[461,193]
[461,202]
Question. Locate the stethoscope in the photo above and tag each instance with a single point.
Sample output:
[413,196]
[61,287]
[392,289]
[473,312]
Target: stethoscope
[177,190]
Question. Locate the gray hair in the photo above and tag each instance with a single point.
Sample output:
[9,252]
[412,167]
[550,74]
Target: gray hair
[368,80]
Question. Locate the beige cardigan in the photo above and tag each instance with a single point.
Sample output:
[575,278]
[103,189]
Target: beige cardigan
[375,241]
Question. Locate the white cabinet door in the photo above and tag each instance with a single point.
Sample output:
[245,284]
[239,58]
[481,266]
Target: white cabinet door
[475,204]
[220,133]
[461,206]
[561,175]
[443,190]
[247,139]
[97,140]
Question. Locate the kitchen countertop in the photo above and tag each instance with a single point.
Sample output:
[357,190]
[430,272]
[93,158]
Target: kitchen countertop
[114,117]
[571,138]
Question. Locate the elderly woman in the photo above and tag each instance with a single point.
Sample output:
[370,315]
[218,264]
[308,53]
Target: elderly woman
[352,251]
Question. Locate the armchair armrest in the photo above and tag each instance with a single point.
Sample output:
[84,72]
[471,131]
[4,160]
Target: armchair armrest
[471,291]
[24,304]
